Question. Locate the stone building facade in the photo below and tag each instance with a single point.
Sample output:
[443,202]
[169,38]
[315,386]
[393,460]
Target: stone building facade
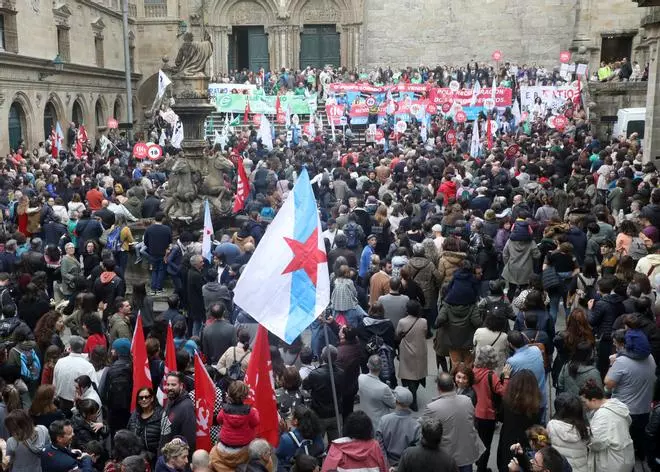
[87,35]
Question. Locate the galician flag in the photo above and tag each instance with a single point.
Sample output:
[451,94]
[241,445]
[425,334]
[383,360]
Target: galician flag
[475,93]
[474,144]
[57,144]
[286,285]
[163,82]
[207,238]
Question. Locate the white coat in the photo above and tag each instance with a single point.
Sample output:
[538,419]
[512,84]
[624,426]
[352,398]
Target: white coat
[566,439]
[611,445]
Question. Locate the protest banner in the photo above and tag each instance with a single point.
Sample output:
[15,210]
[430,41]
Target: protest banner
[263,104]
[551,96]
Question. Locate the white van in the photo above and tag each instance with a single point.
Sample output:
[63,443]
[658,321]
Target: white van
[629,121]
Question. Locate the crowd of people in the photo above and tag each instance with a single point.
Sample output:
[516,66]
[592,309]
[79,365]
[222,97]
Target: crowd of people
[530,277]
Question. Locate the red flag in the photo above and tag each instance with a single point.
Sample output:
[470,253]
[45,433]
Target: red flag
[278,106]
[247,111]
[141,372]
[170,364]
[242,187]
[81,139]
[489,132]
[53,143]
[204,404]
[259,377]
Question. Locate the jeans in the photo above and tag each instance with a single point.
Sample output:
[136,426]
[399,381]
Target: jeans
[353,316]
[555,296]
[122,262]
[486,430]
[157,272]
[197,326]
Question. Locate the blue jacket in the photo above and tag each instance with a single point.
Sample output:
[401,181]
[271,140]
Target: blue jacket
[365,260]
[58,459]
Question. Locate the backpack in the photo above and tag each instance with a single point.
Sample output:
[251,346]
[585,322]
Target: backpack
[7,327]
[114,239]
[495,397]
[119,386]
[306,446]
[637,248]
[352,234]
[235,370]
[30,365]
[584,291]
[7,300]
[541,346]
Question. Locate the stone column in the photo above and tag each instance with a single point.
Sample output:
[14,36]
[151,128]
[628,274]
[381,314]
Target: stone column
[350,45]
[652,128]
[283,46]
[220,39]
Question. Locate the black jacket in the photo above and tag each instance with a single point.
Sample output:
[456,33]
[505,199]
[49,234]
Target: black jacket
[217,337]
[83,432]
[148,430]
[118,386]
[318,384]
[53,231]
[418,458]
[150,206]
[182,420]
[603,314]
[157,238]
[194,285]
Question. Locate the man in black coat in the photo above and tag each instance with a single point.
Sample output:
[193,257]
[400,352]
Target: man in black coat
[54,230]
[601,318]
[180,412]
[219,335]
[428,455]
[194,285]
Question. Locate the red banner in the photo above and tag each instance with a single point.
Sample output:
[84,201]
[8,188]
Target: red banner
[242,187]
[503,96]
[141,371]
[204,404]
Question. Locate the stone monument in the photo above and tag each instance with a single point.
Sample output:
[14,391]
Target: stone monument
[195,176]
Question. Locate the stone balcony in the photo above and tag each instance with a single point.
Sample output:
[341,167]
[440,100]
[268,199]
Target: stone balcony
[647,3]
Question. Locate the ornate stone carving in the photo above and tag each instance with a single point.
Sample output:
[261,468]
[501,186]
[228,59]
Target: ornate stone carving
[248,13]
[193,55]
[36,6]
[61,13]
[39,97]
[2,99]
[98,26]
[68,98]
[320,12]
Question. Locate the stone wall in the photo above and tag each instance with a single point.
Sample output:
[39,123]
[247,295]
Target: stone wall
[431,32]
[609,97]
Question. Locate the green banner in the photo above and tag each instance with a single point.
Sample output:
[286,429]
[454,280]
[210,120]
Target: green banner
[264,104]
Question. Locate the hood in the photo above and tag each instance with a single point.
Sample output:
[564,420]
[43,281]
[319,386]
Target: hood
[618,408]
[613,298]
[217,288]
[564,431]
[419,262]
[454,258]
[353,450]
[106,277]
[521,231]
[376,325]
[637,345]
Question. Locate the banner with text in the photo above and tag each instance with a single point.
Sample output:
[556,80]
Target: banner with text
[265,104]
[551,96]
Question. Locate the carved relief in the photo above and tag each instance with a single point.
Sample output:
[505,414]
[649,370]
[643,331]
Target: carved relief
[248,13]
[320,11]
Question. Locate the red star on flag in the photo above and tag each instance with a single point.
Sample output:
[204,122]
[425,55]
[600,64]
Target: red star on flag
[306,256]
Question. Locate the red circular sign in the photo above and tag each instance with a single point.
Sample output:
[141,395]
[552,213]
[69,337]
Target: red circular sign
[560,121]
[140,150]
[512,150]
[497,55]
[256,119]
[450,137]
[370,101]
[379,135]
[431,108]
[565,57]
[112,123]
[460,117]
[446,107]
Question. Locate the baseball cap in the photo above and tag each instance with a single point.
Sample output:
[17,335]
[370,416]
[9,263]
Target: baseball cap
[403,396]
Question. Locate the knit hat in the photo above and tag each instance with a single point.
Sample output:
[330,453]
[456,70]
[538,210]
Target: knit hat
[122,346]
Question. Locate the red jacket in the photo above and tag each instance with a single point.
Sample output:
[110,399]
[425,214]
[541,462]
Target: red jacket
[351,454]
[448,189]
[484,407]
[238,424]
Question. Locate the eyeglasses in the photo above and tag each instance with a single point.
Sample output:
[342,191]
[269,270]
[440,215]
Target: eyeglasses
[148,397]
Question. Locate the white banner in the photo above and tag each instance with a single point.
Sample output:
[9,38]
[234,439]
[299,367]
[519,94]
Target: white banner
[245,89]
[551,96]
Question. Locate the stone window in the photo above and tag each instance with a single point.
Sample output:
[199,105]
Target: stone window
[155,8]
[8,30]
[98,50]
[616,47]
[63,44]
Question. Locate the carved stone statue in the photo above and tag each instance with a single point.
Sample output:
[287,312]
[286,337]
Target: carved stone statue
[193,55]
[214,185]
[181,191]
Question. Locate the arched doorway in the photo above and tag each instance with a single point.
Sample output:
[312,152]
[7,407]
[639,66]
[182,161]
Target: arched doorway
[77,115]
[98,113]
[50,118]
[17,124]
[117,110]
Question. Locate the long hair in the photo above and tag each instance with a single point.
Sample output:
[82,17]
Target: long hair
[43,402]
[20,425]
[45,329]
[578,330]
[522,394]
[569,409]
[309,423]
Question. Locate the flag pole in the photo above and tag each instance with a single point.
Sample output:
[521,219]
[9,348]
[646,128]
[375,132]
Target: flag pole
[332,379]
